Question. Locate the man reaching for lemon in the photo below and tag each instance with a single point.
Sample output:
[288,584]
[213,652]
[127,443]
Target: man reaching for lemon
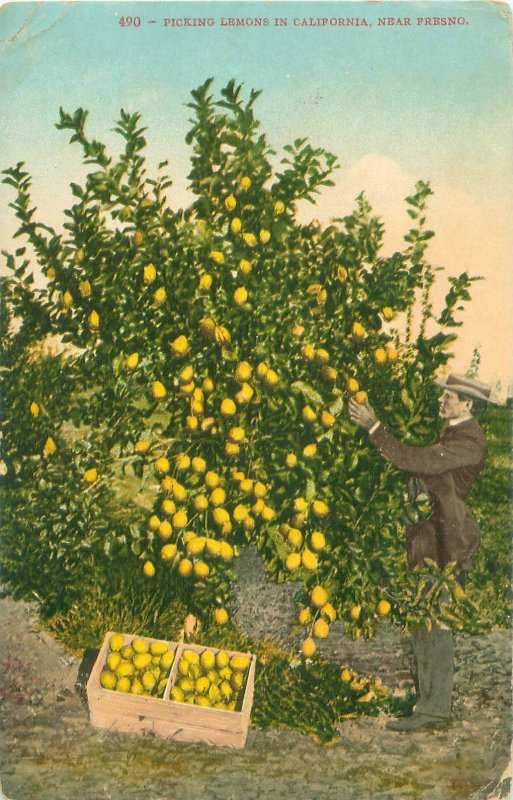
[448,468]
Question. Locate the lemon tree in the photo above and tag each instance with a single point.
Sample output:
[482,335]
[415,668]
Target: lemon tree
[210,353]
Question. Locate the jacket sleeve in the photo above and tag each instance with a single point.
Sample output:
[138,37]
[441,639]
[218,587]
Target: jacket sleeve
[461,451]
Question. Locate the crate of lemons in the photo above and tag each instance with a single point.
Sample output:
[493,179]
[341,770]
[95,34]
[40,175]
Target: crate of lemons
[181,690]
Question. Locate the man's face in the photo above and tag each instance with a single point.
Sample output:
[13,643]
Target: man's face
[451,407]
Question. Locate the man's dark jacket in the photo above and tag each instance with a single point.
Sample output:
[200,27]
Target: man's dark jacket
[448,468]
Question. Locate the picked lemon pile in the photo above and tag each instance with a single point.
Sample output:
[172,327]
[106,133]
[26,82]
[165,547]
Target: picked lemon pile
[140,667]
[212,680]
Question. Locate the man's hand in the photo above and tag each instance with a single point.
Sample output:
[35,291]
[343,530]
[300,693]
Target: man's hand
[362,415]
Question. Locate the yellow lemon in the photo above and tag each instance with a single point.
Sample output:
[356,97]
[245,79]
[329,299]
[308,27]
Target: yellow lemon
[162,465]
[132,361]
[380,355]
[208,385]
[245,183]
[321,356]
[383,608]
[228,407]
[258,506]
[149,273]
[205,282]
[308,414]
[168,552]
[236,225]
[230,202]
[361,398]
[217,256]
[226,551]
[250,239]
[327,419]
[183,461]
[49,447]
[320,629]
[308,352]
[138,238]
[319,596]
[304,616]
[310,450]
[212,479]
[179,492]
[34,409]
[259,489]
[320,508]
[294,538]
[180,346]
[90,475]
[391,354]
[196,545]
[220,616]
[329,612]
[240,512]
[107,679]
[261,370]
[149,569]
[246,486]
[51,273]
[192,422]
[67,299]
[243,371]
[165,530]
[279,207]
[240,295]
[293,562]
[180,518]
[213,547]
[236,434]
[352,385]
[142,446]
[116,642]
[309,560]
[388,313]
[218,496]
[308,647]
[221,517]
[341,274]
[291,460]
[300,504]
[245,394]
[346,675]
[358,330]
[159,296]
[317,541]
[201,570]
[249,524]
[198,465]
[264,235]
[185,567]
[355,612]
[154,522]
[158,390]
[245,266]
[200,502]
[271,379]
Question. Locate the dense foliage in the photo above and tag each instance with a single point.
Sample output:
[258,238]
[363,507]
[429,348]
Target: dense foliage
[201,399]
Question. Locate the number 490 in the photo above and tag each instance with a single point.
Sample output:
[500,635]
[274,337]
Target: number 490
[126,22]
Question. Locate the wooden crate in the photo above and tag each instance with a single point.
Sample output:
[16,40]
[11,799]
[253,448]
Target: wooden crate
[183,722]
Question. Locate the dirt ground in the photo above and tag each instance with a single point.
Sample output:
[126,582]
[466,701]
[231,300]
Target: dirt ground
[51,752]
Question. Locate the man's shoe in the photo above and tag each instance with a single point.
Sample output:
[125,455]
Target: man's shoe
[417,722]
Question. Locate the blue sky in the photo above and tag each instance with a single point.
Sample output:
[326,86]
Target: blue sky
[394,103]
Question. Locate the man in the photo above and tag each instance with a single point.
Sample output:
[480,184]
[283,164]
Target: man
[447,468]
